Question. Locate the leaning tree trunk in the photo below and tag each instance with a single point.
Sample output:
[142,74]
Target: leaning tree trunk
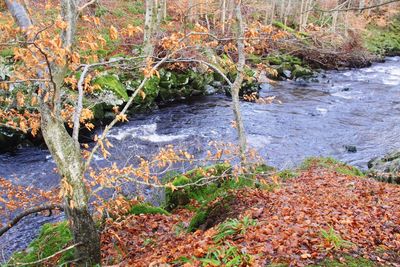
[238,83]
[71,168]
[64,150]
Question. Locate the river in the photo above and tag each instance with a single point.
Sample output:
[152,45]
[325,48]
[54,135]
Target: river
[359,108]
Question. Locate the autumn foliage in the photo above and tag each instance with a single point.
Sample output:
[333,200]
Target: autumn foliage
[321,214]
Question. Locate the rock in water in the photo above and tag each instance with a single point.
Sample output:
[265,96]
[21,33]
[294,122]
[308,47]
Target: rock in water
[350,149]
[387,168]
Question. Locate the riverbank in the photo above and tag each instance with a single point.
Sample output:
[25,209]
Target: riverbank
[323,214]
[293,55]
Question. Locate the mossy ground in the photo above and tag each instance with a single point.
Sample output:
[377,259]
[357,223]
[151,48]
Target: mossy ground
[384,40]
[216,205]
[346,261]
[144,208]
[52,238]
[333,164]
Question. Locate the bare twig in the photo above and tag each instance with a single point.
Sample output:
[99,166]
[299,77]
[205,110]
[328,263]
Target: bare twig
[80,9]
[124,110]
[353,8]
[47,258]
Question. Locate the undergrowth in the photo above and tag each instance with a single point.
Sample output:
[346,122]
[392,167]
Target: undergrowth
[52,238]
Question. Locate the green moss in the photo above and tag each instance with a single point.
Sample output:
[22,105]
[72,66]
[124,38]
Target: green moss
[112,83]
[285,62]
[52,238]
[202,194]
[333,164]
[198,219]
[211,214]
[300,71]
[282,26]
[287,174]
[346,261]
[262,169]
[147,209]
[278,59]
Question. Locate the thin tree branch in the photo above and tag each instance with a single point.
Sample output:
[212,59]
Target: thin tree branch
[79,105]
[124,110]
[353,8]
[49,257]
[80,9]
[26,81]
[27,212]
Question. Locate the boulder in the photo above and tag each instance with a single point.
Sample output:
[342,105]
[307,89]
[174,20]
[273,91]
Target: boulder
[387,168]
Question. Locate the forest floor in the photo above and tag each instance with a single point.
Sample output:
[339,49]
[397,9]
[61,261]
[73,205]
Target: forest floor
[319,218]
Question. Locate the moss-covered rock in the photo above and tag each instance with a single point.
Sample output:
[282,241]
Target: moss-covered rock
[288,66]
[52,238]
[386,168]
[112,83]
[201,193]
[301,72]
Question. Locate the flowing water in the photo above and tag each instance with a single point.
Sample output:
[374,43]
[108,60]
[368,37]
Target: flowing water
[359,108]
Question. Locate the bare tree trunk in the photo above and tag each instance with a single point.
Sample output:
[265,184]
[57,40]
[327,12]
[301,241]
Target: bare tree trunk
[164,9]
[65,152]
[161,11]
[238,83]
[272,15]
[19,14]
[193,7]
[282,11]
[149,25]
[223,15]
[287,12]
[70,166]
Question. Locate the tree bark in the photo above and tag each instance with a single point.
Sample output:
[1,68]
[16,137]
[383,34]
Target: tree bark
[19,14]
[149,22]
[64,150]
[237,84]
[70,166]
[223,15]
